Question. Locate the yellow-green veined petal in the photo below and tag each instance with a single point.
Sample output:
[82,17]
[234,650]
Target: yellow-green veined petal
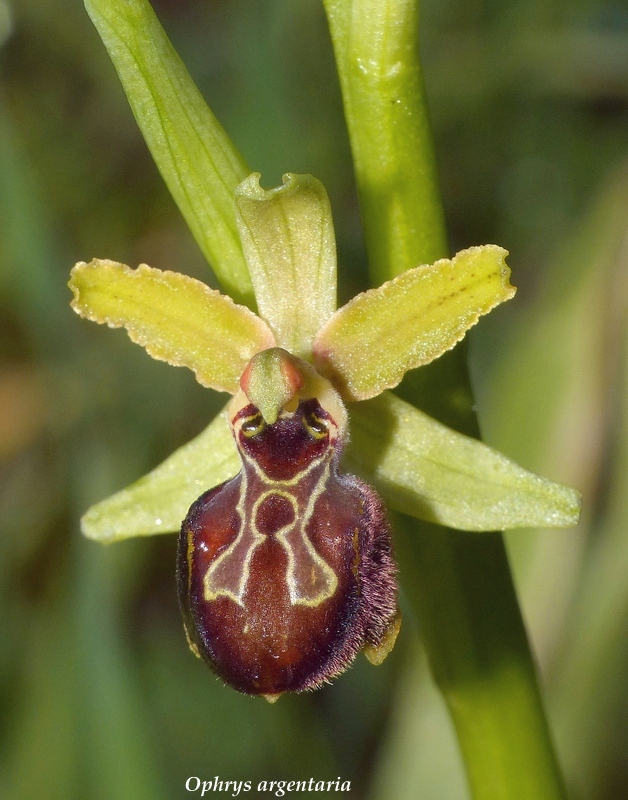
[196,158]
[159,501]
[176,318]
[288,239]
[370,343]
[429,471]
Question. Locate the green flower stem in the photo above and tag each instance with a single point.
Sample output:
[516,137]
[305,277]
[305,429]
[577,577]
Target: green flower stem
[461,588]
[459,583]
[380,76]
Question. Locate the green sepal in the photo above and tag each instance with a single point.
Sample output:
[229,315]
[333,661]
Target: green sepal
[429,471]
[196,158]
[174,317]
[370,343]
[288,239]
[158,502]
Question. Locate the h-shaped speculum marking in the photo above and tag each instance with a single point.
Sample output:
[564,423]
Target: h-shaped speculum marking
[309,579]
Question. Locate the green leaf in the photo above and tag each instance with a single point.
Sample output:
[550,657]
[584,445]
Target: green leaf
[429,471]
[176,318]
[288,239]
[196,158]
[159,501]
[370,343]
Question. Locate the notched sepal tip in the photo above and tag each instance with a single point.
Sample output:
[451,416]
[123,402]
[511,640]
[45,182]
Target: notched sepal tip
[288,240]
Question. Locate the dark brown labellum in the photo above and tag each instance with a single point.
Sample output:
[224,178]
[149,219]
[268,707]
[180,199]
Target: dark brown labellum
[285,572]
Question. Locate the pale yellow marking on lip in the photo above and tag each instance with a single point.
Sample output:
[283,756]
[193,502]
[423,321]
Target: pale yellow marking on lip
[319,564]
[213,591]
[191,644]
[189,557]
[215,587]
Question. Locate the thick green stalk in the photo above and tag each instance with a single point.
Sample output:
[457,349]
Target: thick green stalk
[380,76]
[461,588]
[459,583]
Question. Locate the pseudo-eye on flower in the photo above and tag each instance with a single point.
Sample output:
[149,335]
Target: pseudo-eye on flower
[285,567]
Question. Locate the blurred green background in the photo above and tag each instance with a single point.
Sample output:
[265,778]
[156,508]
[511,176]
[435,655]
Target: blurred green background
[100,698]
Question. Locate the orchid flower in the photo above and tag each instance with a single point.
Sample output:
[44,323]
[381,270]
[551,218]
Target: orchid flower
[275,250]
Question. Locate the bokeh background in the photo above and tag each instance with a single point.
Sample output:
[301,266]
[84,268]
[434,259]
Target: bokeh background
[100,698]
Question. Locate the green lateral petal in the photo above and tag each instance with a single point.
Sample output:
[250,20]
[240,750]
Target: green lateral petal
[176,318]
[159,501]
[196,158]
[429,471]
[288,239]
[370,343]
